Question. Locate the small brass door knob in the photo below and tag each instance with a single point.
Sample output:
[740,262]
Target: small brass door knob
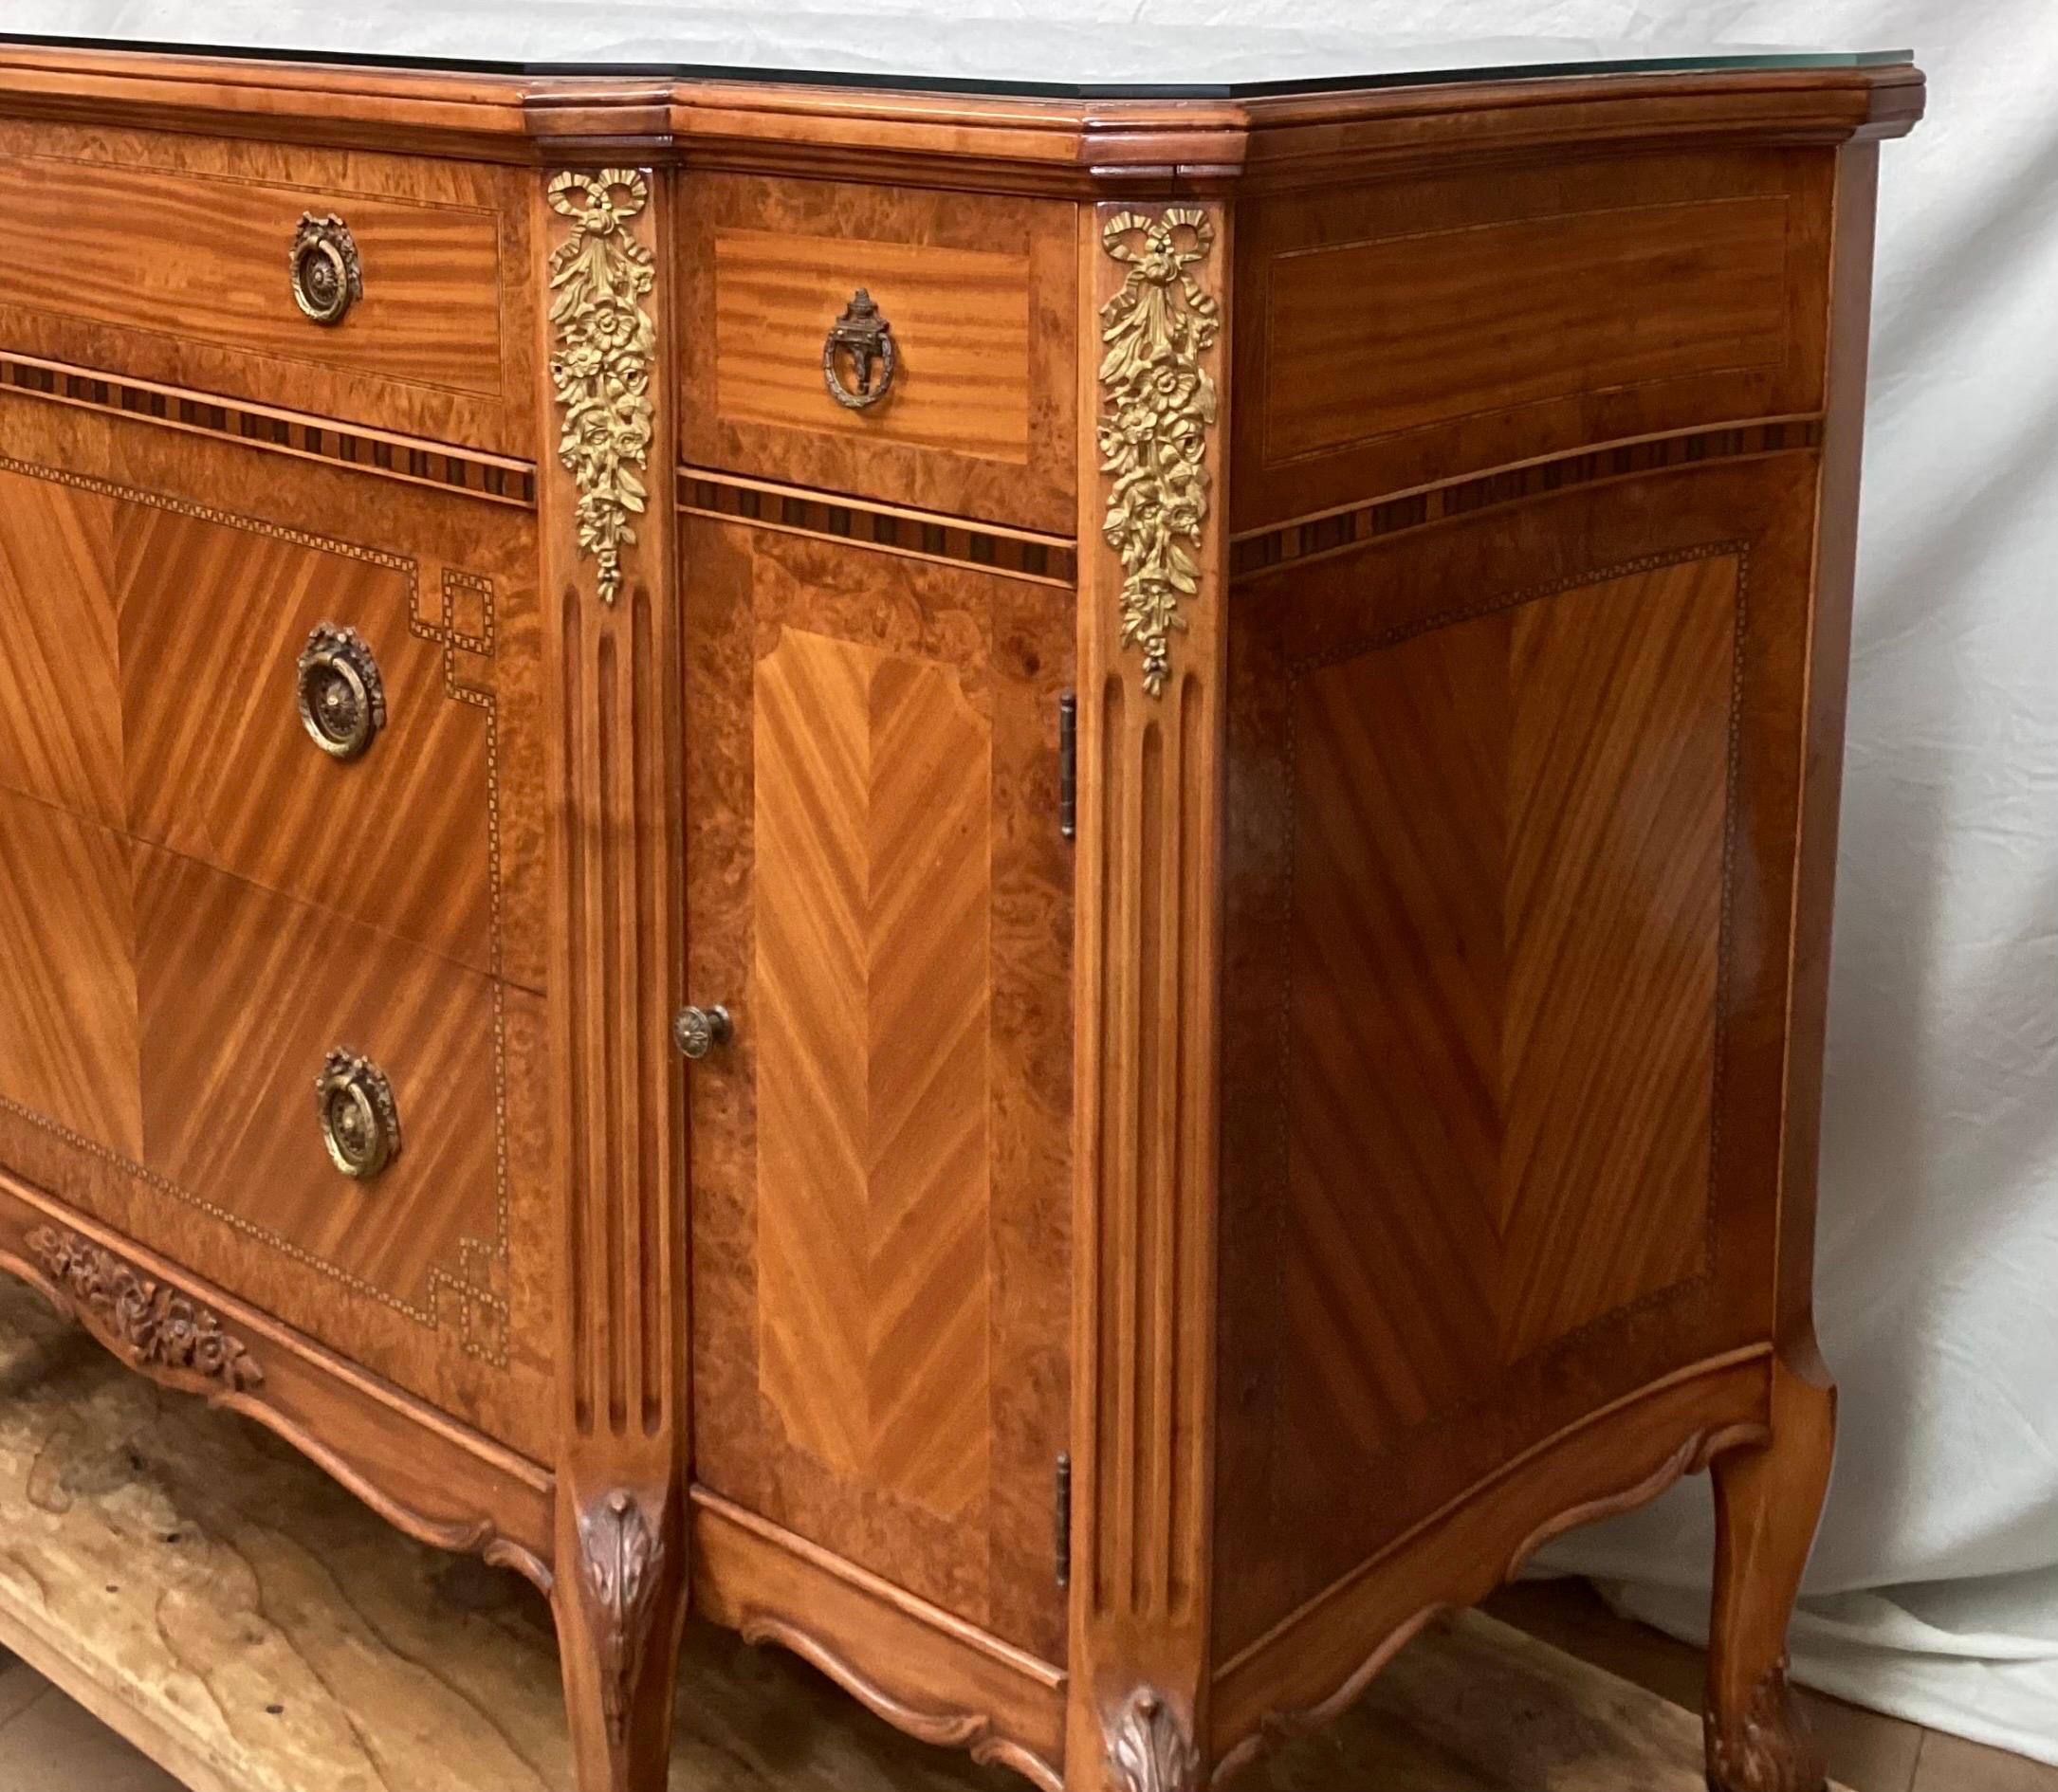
[342,700]
[697,1030]
[360,1123]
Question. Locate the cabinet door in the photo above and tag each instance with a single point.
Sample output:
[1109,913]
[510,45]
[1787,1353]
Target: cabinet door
[879,895]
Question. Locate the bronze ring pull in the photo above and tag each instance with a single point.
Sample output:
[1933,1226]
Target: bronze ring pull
[697,1030]
[361,1125]
[342,700]
[327,277]
[867,339]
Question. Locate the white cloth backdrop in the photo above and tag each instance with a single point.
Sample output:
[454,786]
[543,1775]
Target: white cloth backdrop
[1934,1591]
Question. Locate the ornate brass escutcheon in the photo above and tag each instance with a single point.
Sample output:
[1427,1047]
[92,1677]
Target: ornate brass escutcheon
[360,1123]
[328,278]
[697,1030]
[342,700]
[866,338]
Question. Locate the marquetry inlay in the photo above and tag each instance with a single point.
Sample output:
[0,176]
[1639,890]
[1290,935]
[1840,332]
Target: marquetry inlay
[418,462]
[471,1294]
[1157,407]
[924,537]
[1338,532]
[600,276]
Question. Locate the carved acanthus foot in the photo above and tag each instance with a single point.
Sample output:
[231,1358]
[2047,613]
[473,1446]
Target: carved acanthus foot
[1769,1748]
[1151,1750]
[622,1556]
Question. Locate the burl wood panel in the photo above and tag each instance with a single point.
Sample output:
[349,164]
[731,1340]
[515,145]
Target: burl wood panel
[68,1000]
[873,979]
[1510,805]
[878,892]
[59,689]
[978,290]
[1414,330]
[165,255]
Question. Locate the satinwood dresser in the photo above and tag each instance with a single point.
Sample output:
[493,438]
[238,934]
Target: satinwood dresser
[1013,854]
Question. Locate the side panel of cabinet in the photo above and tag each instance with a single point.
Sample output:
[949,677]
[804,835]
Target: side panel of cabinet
[1510,826]
[879,894]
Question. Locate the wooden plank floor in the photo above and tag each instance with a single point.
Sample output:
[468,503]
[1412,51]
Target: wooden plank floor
[1867,1751]
[193,1585]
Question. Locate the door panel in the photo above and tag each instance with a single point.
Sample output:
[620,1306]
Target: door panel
[879,894]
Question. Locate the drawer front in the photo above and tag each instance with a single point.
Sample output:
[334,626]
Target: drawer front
[171,258]
[242,996]
[1551,308]
[976,296]
[162,1027]
[240,646]
[68,981]
[156,674]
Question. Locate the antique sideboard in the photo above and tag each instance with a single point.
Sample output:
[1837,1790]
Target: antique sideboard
[1017,860]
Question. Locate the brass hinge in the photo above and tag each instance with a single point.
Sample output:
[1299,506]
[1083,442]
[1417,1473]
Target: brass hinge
[1068,765]
[1064,1521]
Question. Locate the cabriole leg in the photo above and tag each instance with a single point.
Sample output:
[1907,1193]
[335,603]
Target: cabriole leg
[1767,1501]
[620,1604]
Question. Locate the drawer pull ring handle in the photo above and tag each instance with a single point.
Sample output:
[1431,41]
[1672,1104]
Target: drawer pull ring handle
[697,1030]
[342,700]
[867,339]
[328,278]
[361,1123]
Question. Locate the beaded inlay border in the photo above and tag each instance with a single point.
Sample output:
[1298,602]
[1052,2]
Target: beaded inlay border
[419,463]
[928,537]
[483,1311]
[1338,532]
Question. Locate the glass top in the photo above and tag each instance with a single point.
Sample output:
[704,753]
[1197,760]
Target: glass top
[900,48]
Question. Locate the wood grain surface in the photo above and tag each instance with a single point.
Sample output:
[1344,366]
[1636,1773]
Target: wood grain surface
[879,893]
[251,1625]
[180,942]
[165,255]
[978,290]
[1581,954]
[1396,334]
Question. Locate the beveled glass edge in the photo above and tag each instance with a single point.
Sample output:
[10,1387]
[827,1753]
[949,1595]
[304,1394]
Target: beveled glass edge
[1455,74]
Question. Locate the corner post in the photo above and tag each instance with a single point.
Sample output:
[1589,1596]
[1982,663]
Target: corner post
[1153,542]
[612,652]
[1769,1499]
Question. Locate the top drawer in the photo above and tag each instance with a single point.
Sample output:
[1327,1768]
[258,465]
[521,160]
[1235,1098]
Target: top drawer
[168,257]
[978,294]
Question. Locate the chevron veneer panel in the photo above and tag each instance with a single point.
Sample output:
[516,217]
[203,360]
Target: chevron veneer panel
[880,894]
[68,1003]
[1096,873]
[1501,1009]
[873,982]
[214,613]
[60,689]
